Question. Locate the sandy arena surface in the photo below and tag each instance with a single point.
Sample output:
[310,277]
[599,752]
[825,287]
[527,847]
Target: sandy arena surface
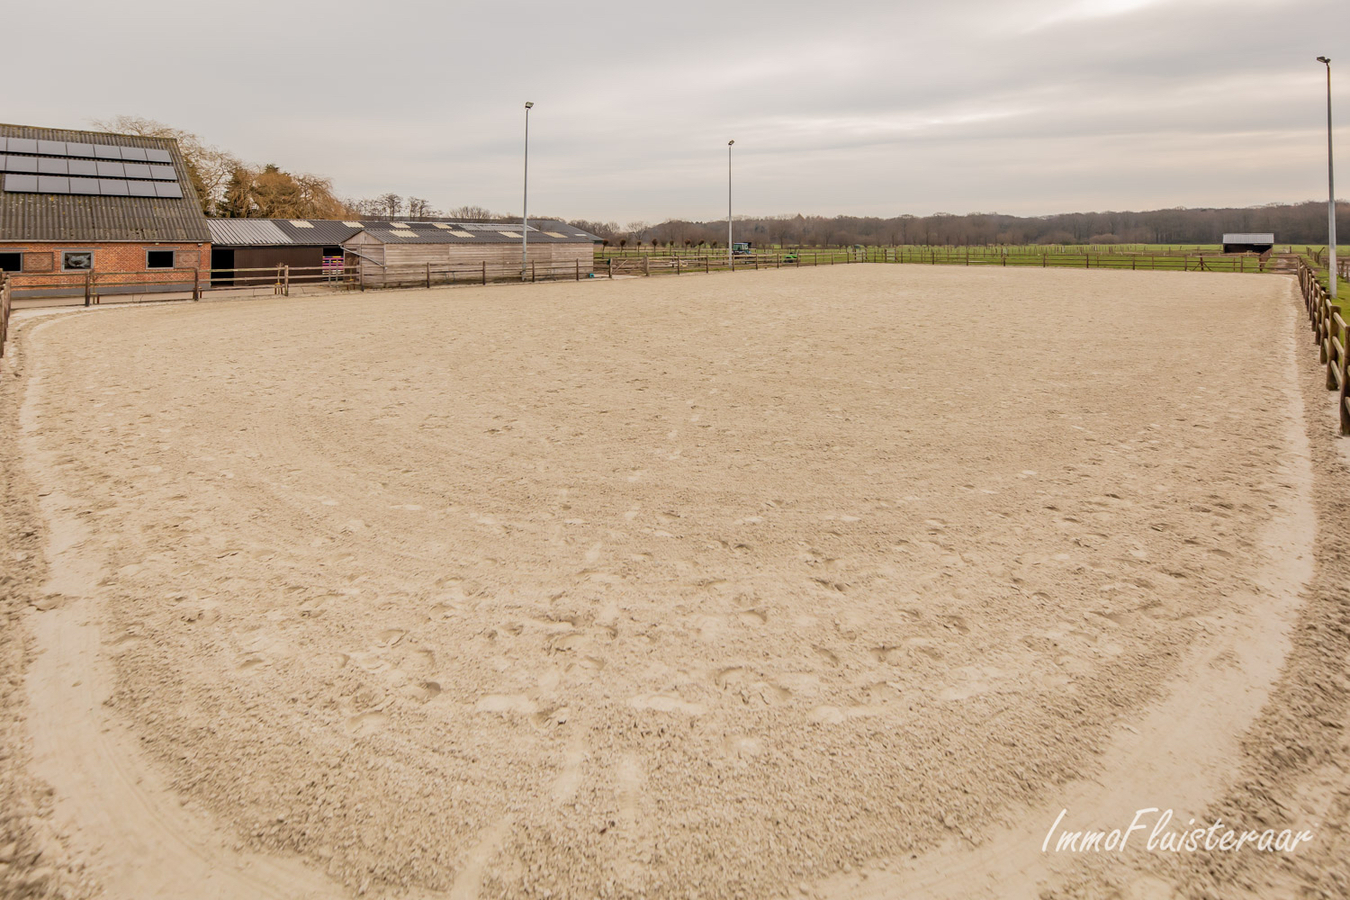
[837,583]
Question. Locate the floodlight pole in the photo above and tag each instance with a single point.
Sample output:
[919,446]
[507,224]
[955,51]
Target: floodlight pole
[731,262]
[1331,187]
[525,215]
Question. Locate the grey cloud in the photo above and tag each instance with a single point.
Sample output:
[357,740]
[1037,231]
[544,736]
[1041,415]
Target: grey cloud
[1028,106]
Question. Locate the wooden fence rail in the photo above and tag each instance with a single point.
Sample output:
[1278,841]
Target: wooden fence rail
[1332,336]
[627,263]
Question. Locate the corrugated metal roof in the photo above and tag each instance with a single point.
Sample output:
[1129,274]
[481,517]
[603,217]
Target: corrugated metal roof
[327,233]
[1249,238]
[85,218]
[315,232]
[246,232]
[382,232]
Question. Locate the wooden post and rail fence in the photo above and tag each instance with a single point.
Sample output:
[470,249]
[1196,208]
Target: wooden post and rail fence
[194,283]
[1332,336]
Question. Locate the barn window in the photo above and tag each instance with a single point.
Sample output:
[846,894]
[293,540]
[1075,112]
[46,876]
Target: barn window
[159,259]
[11,262]
[77,260]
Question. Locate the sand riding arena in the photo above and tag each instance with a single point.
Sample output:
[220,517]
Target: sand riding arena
[833,583]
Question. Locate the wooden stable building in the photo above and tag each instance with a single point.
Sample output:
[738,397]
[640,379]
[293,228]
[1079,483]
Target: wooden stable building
[382,247]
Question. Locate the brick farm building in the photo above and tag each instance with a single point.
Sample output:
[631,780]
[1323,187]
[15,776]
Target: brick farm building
[82,206]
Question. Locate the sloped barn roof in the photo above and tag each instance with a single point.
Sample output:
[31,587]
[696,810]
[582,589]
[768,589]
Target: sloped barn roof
[46,208]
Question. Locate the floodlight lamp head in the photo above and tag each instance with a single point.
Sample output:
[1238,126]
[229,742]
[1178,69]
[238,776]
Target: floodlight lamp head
[529,104]
[729,143]
[1324,59]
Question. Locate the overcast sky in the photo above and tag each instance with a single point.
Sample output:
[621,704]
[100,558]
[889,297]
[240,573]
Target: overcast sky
[864,108]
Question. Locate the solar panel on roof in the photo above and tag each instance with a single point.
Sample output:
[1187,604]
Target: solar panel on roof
[21,164]
[22,145]
[53,184]
[109,169]
[163,173]
[51,148]
[74,149]
[24,184]
[84,186]
[53,166]
[2,144]
[83,167]
[107,151]
[141,188]
[136,170]
[167,189]
[158,156]
[112,187]
[136,154]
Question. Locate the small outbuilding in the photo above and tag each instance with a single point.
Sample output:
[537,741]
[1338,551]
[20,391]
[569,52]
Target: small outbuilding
[1248,243]
[310,245]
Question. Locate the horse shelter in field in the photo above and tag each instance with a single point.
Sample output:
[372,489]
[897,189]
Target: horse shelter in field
[83,210]
[1248,243]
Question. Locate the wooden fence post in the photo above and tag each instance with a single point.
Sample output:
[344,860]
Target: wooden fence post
[485,272]
[428,275]
[286,280]
[88,287]
[646,265]
[197,284]
[4,311]
[578,262]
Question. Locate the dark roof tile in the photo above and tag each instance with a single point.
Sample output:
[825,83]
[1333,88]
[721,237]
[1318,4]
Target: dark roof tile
[86,219]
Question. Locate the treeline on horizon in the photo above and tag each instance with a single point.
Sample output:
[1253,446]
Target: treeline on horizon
[1291,223]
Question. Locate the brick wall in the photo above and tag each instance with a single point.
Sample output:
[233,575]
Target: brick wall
[120,262]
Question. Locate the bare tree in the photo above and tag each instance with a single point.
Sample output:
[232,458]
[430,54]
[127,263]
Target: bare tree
[391,204]
[209,168]
[472,213]
[420,208]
